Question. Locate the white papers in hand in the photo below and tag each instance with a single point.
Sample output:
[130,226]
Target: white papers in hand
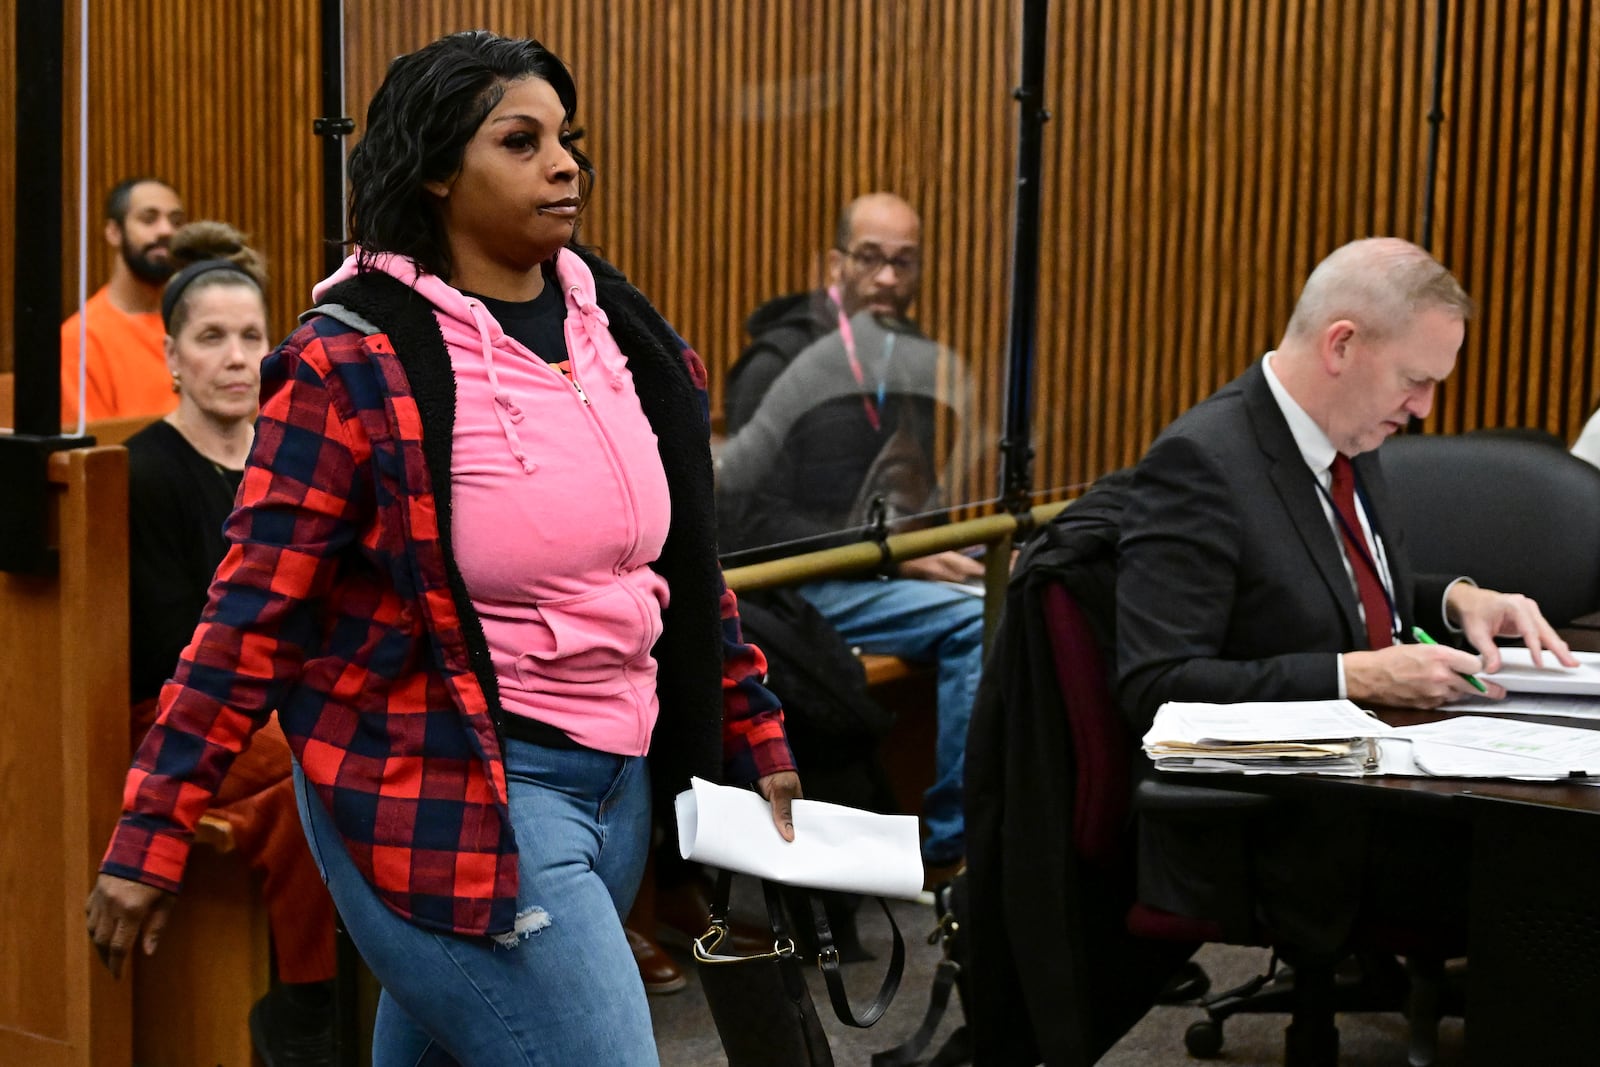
[1518,674]
[834,847]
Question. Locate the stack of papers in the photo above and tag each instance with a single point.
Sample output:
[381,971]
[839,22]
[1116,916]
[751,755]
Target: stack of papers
[1265,737]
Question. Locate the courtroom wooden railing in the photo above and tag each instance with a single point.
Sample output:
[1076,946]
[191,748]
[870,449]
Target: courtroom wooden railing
[63,757]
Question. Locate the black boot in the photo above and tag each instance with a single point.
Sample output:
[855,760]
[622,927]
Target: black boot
[292,1026]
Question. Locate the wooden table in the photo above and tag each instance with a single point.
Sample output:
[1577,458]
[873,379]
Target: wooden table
[1534,933]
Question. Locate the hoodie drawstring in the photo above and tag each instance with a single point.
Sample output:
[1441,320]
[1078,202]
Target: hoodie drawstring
[596,325]
[506,409]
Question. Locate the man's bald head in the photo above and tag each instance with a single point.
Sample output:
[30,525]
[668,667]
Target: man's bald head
[1378,326]
[1379,283]
[876,261]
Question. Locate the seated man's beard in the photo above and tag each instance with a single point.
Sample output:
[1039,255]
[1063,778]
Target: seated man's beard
[144,268]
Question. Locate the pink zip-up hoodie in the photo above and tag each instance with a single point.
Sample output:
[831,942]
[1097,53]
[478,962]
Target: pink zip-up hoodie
[560,504]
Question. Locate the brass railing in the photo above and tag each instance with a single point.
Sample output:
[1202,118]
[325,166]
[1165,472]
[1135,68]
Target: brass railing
[995,531]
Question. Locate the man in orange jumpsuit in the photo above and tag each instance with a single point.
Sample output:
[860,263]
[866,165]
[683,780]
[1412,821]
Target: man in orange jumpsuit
[126,366]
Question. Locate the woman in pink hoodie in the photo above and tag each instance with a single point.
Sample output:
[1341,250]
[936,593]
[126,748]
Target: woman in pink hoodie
[473,567]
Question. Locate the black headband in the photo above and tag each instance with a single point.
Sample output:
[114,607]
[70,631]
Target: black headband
[185,277]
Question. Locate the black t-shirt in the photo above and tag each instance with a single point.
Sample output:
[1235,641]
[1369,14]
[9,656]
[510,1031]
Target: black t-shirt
[537,324]
[177,503]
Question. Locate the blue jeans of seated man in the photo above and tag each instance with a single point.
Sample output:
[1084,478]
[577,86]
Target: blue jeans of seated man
[924,622]
[568,990]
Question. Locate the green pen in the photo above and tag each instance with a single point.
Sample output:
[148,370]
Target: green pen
[1422,635]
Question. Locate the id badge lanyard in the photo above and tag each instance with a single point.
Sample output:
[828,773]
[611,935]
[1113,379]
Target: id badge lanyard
[847,337]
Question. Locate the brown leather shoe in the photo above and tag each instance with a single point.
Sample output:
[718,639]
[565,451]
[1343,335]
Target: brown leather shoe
[683,913]
[659,971]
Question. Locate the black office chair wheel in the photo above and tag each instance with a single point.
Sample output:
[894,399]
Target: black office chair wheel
[1203,1039]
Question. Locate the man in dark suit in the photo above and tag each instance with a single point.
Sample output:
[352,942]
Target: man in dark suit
[1259,561]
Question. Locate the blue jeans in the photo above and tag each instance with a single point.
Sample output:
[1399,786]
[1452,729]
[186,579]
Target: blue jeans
[567,991]
[924,622]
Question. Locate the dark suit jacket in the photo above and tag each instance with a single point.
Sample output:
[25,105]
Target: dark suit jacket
[1231,583]
[1231,586]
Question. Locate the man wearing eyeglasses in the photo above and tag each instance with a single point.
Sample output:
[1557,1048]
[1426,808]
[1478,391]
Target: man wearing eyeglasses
[875,264]
[849,384]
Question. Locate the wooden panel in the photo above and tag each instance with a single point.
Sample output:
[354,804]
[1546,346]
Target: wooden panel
[1202,157]
[65,662]
[92,720]
[116,431]
[213,954]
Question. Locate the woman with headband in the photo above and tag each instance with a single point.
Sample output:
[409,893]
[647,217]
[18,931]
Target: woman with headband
[183,474]
[473,567]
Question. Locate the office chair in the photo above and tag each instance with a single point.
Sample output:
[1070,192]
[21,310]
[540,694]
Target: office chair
[1105,797]
[1511,512]
[1521,433]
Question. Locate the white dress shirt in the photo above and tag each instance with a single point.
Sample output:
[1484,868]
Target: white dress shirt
[1318,452]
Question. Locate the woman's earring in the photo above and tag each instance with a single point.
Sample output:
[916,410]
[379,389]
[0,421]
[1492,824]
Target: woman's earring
[177,383]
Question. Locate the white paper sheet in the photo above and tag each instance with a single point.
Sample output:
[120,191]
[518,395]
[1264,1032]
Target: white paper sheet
[1472,746]
[834,847]
[1549,705]
[1518,674]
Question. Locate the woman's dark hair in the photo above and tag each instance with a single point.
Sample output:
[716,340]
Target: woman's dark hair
[429,106]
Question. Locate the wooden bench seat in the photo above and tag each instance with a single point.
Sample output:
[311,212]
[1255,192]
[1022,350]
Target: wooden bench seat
[907,752]
[214,832]
[882,670]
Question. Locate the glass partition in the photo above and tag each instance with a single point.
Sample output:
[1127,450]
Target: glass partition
[870,429]
[729,140]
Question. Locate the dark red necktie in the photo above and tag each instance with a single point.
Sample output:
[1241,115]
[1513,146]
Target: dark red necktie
[1363,561]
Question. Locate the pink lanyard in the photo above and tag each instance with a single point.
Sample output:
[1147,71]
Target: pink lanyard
[847,337]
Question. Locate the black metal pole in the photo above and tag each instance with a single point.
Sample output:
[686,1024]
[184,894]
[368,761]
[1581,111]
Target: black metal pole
[1016,448]
[36,328]
[1435,116]
[36,331]
[332,127]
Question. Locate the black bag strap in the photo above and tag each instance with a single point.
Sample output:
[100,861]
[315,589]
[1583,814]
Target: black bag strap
[957,1048]
[910,1051]
[783,950]
[828,963]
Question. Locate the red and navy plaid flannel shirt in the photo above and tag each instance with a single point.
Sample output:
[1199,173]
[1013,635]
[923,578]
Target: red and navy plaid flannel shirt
[333,606]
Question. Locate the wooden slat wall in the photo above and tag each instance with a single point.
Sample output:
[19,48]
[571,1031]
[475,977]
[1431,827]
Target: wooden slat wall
[1207,155]
[1211,153]
[215,96]
[1203,155]
[1517,209]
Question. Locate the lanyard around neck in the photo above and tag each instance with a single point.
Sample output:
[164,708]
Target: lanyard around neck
[847,337]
